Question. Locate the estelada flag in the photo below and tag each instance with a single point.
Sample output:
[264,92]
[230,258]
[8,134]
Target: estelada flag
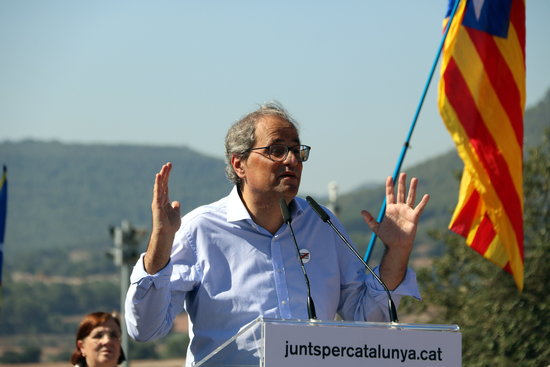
[482,101]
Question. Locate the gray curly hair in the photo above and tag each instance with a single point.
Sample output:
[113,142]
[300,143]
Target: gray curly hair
[242,135]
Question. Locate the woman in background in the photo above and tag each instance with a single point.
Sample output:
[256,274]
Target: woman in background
[98,341]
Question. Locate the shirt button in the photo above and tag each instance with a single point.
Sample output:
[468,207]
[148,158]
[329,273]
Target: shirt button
[284,302]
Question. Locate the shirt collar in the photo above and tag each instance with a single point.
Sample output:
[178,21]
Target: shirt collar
[297,207]
[236,210]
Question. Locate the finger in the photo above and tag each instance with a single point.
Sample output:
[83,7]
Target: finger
[420,207]
[165,174]
[401,188]
[160,189]
[176,205]
[156,187]
[411,197]
[166,169]
[159,183]
[390,197]
[159,199]
[369,219]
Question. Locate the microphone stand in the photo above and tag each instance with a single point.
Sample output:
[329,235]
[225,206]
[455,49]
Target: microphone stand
[325,218]
[287,219]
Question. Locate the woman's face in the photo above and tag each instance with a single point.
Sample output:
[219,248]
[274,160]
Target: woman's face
[101,347]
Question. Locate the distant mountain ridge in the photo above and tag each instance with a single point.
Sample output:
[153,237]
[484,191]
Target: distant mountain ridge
[67,195]
[64,197]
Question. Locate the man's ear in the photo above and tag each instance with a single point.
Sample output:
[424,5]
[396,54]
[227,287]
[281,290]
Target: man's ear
[238,164]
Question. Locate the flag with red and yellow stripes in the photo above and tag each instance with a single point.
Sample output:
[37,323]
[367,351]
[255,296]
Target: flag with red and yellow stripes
[482,101]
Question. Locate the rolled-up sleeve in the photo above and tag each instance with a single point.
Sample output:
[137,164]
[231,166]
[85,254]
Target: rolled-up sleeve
[375,304]
[147,303]
[153,301]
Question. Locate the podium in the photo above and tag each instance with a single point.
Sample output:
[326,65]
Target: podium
[304,343]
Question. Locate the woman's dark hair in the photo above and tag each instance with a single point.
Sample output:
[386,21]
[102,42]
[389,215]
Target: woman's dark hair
[88,323]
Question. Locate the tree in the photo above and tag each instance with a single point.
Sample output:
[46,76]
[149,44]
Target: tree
[500,326]
[29,354]
[176,345]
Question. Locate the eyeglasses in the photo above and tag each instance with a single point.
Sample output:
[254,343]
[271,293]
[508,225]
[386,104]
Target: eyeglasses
[279,152]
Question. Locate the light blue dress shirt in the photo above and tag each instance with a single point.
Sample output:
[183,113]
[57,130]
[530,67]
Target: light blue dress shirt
[225,271]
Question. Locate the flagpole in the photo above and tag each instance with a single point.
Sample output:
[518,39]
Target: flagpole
[413,124]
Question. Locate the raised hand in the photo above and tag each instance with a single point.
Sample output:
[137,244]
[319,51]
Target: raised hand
[398,227]
[166,222]
[166,214]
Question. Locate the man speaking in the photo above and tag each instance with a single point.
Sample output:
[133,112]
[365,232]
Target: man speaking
[229,262]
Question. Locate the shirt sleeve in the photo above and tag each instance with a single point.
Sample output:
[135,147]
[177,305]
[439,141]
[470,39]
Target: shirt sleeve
[375,304]
[153,301]
[362,297]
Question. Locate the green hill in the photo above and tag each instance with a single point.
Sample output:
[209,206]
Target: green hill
[64,197]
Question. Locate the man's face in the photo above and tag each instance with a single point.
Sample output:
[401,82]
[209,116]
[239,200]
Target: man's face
[264,178]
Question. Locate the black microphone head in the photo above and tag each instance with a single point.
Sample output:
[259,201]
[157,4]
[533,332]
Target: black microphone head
[317,209]
[284,211]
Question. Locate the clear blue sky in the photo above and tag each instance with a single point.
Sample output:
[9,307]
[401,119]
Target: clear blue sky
[180,72]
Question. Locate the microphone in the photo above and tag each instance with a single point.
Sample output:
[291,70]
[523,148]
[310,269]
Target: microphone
[287,219]
[325,218]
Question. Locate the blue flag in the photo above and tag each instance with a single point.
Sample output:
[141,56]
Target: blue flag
[3,212]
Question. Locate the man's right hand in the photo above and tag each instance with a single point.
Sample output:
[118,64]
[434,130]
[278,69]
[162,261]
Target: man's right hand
[166,222]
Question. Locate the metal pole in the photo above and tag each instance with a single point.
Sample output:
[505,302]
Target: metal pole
[118,235]
[413,124]
[124,284]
